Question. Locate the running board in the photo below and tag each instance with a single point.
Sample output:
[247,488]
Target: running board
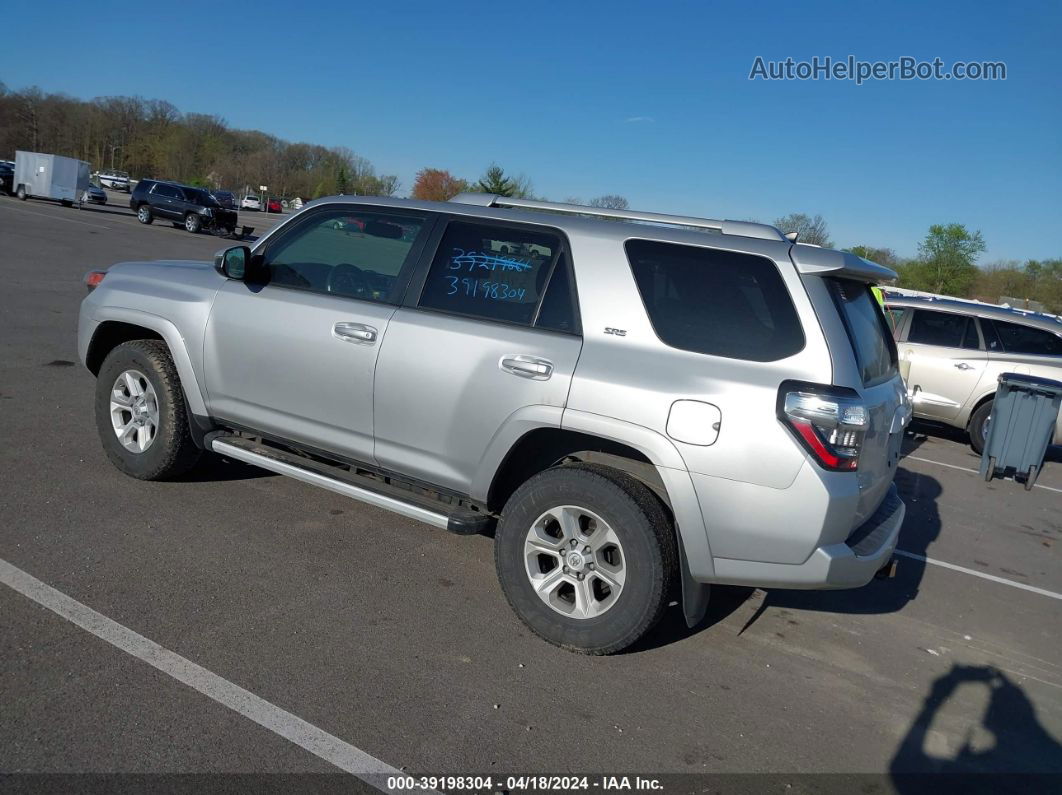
[461,522]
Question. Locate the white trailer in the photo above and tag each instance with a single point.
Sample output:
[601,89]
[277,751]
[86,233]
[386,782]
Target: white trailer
[63,179]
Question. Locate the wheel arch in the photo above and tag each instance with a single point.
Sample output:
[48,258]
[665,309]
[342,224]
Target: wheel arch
[123,325]
[638,451]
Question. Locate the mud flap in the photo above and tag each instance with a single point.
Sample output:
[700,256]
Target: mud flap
[694,594]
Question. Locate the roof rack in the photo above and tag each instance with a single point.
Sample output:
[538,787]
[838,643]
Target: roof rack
[743,228]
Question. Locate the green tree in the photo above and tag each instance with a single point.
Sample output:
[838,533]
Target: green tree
[494,181]
[882,256]
[341,180]
[947,261]
[809,229]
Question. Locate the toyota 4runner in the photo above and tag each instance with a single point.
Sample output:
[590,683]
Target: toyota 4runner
[636,410]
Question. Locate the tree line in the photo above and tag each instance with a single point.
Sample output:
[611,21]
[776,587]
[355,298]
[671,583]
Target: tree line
[152,138]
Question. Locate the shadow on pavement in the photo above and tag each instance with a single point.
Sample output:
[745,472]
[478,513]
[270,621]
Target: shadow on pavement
[213,468]
[672,628]
[1008,739]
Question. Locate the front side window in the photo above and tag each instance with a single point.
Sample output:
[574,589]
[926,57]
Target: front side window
[1016,338]
[717,302]
[938,328]
[349,252]
[492,272]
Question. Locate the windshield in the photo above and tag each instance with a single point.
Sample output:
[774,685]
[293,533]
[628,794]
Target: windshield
[200,197]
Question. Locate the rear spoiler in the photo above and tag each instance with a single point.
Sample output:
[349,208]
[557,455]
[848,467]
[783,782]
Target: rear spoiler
[816,261]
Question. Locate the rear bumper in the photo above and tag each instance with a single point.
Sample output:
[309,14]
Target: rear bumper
[849,564]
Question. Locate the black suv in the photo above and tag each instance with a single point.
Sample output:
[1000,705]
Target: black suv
[193,208]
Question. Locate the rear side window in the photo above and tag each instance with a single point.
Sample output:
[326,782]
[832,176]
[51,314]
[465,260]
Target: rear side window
[939,328]
[492,272]
[868,330]
[1016,338]
[716,302]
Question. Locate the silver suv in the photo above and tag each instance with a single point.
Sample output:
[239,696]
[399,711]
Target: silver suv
[634,409]
[952,353]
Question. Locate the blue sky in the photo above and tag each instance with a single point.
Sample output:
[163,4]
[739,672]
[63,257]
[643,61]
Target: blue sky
[648,100]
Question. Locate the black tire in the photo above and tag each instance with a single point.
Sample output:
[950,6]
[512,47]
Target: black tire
[193,223]
[977,423]
[172,451]
[66,203]
[21,192]
[645,532]
[144,214]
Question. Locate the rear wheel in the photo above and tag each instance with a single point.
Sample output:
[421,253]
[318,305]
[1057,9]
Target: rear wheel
[586,556]
[21,192]
[140,412]
[143,214]
[980,422]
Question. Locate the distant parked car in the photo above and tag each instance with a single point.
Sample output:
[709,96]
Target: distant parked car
[274,206]
[115,180]
[7,178]
[250,203]
[94,194]
[225,199]
[952,353]
[183,205]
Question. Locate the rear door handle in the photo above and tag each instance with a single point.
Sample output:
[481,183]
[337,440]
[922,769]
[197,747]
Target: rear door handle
[355,332]
[527,366]
[963,366]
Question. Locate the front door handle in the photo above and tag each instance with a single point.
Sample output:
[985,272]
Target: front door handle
[526,366]
[354,332]
[963,366]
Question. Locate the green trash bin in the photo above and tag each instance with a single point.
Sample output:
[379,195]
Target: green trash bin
[1022,426]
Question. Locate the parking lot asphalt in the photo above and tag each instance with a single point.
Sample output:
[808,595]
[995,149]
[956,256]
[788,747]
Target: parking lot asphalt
[395,637]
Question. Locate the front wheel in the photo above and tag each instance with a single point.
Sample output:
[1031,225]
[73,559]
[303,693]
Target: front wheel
[586,557]
[980,422]
[21,192]
[192,223]
[143,214]
[140,412]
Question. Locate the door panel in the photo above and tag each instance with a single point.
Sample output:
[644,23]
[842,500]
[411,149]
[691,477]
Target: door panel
[443,390]
[275,362]
[942,361]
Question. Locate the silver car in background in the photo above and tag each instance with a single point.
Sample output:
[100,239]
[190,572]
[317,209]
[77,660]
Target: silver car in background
[640,406]
[952,352]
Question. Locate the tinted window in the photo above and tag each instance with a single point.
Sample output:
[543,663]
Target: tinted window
[938,328]
[169,191]
[716,302]
[349,252]
[970,339]
[489,271]
[895,315]
[1016,338]
[557,312]
[868,330]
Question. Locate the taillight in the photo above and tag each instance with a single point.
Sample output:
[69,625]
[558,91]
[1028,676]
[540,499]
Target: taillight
[93,279]
[829,421]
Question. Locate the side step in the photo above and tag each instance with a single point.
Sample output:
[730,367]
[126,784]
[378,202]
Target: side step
[455,519]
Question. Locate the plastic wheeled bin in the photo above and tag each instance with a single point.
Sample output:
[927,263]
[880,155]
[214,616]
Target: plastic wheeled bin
[1023,422]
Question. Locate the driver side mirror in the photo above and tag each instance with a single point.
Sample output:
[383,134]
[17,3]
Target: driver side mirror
[232,262]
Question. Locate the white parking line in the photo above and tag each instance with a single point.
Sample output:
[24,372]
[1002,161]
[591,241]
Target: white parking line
[967,469]
[291,727]
[57,217]
[904,553]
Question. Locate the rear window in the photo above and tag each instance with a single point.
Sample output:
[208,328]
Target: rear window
[868,330]
[722,303]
